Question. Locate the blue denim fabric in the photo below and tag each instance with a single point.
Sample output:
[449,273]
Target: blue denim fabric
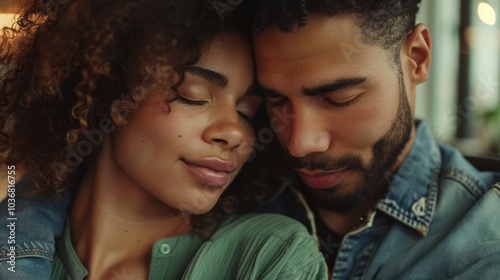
[38,222]
[439,220]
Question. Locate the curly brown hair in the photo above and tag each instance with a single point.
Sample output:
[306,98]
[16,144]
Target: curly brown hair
[73,69]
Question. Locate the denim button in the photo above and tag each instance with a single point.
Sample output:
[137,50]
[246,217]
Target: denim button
[165,249]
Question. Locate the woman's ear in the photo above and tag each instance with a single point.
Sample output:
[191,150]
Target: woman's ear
[416,50]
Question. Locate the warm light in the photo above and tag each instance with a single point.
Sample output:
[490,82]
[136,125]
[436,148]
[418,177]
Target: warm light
[7,19]
[486,13]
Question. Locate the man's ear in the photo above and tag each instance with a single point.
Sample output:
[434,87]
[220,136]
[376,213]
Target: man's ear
[417,53]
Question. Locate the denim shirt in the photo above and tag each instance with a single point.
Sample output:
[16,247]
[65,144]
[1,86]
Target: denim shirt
[31,232]
[439,220]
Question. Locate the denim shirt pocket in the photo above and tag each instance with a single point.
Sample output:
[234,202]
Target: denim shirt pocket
[37,249]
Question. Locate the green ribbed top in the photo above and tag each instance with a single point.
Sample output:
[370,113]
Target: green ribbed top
[260,246]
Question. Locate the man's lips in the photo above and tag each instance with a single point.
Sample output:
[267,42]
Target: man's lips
[323,179]
[211,171]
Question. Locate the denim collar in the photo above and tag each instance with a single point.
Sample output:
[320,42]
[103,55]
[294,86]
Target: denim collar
[412,194]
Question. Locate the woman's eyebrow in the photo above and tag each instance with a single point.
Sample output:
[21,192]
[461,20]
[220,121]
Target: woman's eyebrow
[209,75]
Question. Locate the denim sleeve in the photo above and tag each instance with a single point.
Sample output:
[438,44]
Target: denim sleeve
[27,269]
[29,227]
[471,250]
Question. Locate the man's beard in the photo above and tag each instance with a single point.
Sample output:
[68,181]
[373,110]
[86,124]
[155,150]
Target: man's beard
[385,153]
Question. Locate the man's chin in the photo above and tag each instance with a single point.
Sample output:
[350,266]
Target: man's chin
[343,198]
[337,198]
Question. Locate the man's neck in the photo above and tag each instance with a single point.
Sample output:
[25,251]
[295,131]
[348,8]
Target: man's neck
[341,223]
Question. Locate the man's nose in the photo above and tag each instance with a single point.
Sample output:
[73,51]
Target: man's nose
[307,133]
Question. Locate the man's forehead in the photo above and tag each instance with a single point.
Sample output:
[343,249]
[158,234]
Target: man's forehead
[321,34]
[314,66]
[317,27]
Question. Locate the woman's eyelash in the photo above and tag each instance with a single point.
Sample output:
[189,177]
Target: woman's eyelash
[191,102]
[276,102]
[200,103]
[246,118]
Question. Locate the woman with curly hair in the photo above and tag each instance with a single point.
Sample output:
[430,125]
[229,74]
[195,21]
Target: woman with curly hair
[144,110]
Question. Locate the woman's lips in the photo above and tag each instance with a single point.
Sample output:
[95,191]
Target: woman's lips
[322,180]
[213,172]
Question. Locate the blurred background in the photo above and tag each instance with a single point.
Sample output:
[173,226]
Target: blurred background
[461,100]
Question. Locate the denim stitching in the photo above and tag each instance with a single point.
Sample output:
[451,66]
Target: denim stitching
[472,184]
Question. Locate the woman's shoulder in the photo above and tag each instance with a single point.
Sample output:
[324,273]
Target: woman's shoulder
[269,235]
[277,225]
[259,246]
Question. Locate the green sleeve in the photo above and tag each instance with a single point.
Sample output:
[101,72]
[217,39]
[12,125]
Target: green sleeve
[263,246]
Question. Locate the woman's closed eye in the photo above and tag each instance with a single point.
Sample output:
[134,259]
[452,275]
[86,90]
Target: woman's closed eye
[247,107]
[191,101]
[246,117]
[193,95]
[275,101]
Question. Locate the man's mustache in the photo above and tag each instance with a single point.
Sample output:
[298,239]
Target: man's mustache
[324,162]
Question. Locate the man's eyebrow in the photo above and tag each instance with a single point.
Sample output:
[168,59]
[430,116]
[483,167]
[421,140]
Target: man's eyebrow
[335,86]
[209,75]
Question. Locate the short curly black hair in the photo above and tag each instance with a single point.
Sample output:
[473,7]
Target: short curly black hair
[383,22]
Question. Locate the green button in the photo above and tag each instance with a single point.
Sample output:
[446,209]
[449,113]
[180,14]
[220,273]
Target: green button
[165,249]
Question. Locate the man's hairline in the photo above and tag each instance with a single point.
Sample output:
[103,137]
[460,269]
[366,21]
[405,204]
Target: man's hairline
[357,18]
